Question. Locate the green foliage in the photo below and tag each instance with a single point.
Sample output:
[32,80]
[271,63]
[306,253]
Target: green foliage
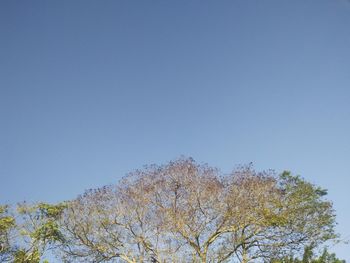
[36,230]
[23,256]
[45,229]
[51,211]
[48,230]
[304,198]
[310,257]
[7,223]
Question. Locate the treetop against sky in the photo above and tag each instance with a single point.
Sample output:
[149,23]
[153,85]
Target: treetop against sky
[90,91]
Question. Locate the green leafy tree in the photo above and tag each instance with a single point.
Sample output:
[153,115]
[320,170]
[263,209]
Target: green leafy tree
[34,230]
[39,230]
[7,223]
[310,257]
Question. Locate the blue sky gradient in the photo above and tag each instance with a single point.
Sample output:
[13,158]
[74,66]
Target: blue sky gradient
[90,90]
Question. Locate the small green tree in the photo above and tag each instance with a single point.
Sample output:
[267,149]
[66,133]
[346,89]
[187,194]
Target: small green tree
[7,223]
[310,257]
[26,236]
[39,230]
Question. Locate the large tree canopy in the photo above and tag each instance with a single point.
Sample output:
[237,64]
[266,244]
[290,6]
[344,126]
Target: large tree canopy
[187,212]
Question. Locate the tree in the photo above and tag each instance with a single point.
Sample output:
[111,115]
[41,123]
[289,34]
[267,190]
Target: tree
[309,257]
[7,223]
[30,232]
[186,212]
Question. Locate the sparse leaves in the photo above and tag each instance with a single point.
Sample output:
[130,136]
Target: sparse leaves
[186,212]
[178,212]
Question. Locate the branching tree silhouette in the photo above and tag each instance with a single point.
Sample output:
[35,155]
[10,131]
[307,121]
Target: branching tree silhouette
[186,212]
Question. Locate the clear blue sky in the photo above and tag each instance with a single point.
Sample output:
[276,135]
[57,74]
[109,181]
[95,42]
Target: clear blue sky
[90,90]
